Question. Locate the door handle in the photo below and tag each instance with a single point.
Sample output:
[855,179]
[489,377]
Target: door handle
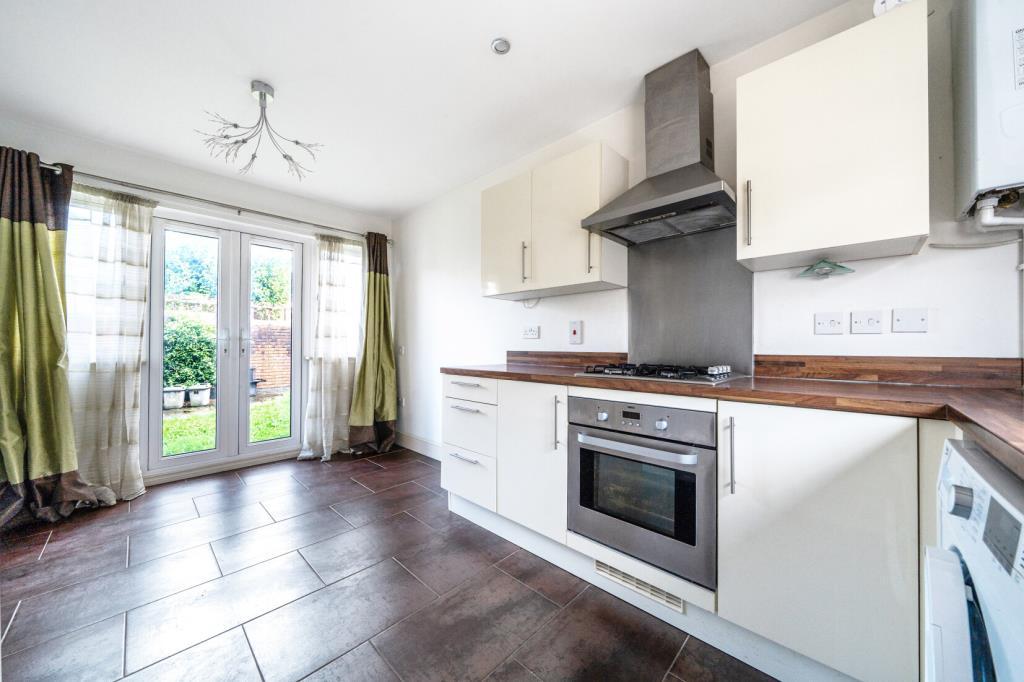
[470,410]
[750,228]
[464,459]
[469,384]
[685,459]
[590,266]
[522,262]
[732,456]
[557,443]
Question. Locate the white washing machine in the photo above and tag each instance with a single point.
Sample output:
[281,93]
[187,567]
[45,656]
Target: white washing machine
[974,580]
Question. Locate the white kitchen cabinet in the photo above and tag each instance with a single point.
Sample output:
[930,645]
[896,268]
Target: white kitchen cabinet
[832,147]
[470,475]
[817,546]
[533,456]
[531,242]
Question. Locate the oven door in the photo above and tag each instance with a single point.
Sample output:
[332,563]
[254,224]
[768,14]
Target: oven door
[647,498]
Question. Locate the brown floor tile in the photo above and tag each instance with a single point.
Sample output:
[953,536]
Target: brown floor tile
[91,653]
[245,549]
[395,475]
[512,671]
[165,627]
[225,658]
[166,540]
[468,633]
[306,471]
[84,539]
[355,550]
[601,637]
[22,581]
[348,613]
[317,497]
[92,600]
[432,481]
[397,457]
[435,513]
[557,585]
[18,550]
[362,664]
[701,662]
[381,505]
[216,503]
[167,493]
[349,467]
[455,555]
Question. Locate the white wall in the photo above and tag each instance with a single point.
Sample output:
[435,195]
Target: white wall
[120,163]
[973,295]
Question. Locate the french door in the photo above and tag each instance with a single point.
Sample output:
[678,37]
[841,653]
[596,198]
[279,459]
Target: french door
[225,338]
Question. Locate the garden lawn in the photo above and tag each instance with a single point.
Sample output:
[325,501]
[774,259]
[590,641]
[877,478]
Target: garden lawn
[195,431]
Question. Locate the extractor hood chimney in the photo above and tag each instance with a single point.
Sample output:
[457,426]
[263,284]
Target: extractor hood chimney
[681,194]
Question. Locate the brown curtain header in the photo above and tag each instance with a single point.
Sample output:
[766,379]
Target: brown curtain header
[376,253]
[31,193]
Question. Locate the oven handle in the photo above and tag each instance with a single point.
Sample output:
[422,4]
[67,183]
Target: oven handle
[660,455]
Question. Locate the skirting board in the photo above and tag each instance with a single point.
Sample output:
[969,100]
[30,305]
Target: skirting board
[424,447]
[753,649]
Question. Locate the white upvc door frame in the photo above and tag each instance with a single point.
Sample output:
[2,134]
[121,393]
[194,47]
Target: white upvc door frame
[232,367]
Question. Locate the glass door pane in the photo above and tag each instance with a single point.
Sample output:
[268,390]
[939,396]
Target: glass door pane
[269,370]
[191,293]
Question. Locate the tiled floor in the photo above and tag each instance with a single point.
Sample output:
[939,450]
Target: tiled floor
[349,570]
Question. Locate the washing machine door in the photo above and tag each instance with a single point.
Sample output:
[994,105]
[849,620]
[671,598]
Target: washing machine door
[956,640]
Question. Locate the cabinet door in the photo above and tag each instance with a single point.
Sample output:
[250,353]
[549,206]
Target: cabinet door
[565,191]
[833,140]
[817,546]
[532,456]
[505,237]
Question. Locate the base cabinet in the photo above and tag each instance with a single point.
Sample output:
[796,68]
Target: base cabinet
[817,534]
[533,456]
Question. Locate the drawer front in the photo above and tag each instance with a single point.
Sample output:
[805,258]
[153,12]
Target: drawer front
[470,475]
[477,389]
[470,425]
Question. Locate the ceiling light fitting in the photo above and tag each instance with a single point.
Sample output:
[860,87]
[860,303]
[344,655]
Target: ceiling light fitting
[500,46]
[231,137]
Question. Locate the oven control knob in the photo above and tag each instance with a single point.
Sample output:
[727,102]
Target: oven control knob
[661,425]
[602,416]
[961,501]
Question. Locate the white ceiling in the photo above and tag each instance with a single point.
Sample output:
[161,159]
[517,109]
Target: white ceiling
[405,94]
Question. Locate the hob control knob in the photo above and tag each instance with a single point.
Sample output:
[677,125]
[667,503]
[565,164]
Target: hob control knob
[961,501]
[602,416]
[661,424]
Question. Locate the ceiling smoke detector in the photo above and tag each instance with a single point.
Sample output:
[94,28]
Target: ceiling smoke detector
[500,46]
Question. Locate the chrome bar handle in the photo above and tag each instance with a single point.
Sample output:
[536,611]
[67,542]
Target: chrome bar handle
[557,442]
[470,410]
[464,459]
[732,456]
[522,262]
[750,228]
[470,384]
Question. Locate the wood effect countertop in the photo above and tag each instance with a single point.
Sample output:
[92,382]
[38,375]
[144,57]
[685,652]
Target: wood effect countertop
[994,417]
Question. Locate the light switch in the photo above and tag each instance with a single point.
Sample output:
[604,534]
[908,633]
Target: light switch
[866,322]
[531,332]
[576,332]
[828,323]
[910,320]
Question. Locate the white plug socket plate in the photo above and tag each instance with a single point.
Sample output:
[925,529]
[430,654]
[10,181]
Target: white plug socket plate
[910,320]
[866,322]
[828,323]
[531,332]
[576,332]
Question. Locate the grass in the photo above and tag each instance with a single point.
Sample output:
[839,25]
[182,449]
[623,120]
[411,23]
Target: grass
[196,430]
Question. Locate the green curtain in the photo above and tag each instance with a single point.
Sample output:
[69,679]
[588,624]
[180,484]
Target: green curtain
[375,395]
[38,466]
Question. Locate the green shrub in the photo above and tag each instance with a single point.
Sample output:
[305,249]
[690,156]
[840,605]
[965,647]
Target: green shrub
[190,353]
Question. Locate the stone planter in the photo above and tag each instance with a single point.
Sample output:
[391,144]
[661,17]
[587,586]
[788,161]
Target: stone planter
[174,397]
[199,396]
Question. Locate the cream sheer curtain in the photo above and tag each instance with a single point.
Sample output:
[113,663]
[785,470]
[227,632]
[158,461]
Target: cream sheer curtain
[107,284]
[339,296]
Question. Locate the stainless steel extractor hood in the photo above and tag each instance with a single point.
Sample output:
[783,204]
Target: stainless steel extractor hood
[681,194]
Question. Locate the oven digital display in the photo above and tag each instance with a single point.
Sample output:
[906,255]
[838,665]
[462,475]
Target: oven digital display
[635,416]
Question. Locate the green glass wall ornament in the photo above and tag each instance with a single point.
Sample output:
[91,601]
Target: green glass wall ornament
[825,268]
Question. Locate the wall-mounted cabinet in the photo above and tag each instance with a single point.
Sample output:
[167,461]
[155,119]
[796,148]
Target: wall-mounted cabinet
[531,242]
[832,147]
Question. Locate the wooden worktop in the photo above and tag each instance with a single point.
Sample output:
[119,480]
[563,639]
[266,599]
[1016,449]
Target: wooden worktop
[994,417]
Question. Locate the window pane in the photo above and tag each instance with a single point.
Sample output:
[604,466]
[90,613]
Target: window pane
[190,343]
[270,343]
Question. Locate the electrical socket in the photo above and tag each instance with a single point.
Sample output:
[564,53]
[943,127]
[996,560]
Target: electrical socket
[910,320]
[531,332]
[866,322]
[576,332]
[828,323]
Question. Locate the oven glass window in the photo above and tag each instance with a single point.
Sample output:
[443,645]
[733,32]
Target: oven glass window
[657,498]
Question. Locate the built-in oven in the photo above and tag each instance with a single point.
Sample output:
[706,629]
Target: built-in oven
[642,481]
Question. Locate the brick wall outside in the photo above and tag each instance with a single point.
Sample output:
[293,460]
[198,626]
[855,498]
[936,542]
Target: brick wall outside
[271,354]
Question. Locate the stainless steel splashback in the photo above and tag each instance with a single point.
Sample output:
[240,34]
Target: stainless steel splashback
[691,302]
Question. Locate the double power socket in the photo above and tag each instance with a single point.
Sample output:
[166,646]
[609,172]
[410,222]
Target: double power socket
[903,320]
